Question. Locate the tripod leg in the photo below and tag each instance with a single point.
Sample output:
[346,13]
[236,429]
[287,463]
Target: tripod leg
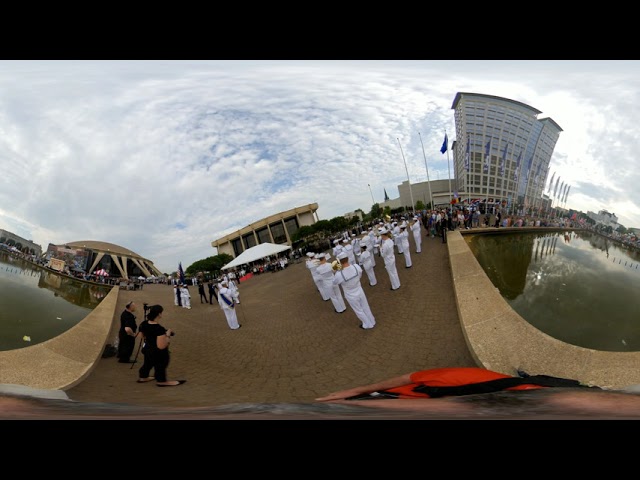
[136,357]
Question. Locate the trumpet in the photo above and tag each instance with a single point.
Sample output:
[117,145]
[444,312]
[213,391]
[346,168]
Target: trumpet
[336,265]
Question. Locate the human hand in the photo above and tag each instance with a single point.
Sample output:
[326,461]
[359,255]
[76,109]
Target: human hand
[341,395]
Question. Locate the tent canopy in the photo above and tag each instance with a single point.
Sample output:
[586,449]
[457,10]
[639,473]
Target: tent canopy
[256,253]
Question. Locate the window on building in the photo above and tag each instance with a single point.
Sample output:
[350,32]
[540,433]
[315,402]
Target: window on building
[277,231]
[237,246]
[291,225]
[263,235]
[249,240]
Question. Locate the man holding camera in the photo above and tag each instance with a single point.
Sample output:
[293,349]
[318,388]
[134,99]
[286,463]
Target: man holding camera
[127,333]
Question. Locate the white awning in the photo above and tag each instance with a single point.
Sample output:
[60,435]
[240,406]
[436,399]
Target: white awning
[256,253]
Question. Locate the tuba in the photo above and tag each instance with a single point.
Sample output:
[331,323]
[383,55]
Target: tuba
[336,265]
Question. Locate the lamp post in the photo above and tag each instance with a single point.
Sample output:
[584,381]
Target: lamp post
[372,200]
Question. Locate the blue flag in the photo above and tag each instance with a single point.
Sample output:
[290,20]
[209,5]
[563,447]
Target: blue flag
[181,273]
[466,156]
[487,151]
[504,160]
[526,178]
[515,172]
[444,144]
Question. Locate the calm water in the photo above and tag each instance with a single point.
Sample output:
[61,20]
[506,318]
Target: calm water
[39,304]
[582,289]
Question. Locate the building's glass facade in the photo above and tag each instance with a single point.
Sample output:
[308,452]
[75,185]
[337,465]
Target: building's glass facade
[502,150]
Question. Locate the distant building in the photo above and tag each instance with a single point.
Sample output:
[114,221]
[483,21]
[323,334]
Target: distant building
[89,255]
[26,246]
[605,218]
[503,149]
[357,214]
[277,228]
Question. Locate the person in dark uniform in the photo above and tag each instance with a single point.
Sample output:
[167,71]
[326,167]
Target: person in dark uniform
[156,340]
[127,333]
[212,292]
[202,293]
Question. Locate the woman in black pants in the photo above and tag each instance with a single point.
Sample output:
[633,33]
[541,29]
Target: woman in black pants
[156,340]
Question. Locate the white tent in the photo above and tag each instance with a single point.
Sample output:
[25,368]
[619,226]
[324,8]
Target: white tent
[256,253]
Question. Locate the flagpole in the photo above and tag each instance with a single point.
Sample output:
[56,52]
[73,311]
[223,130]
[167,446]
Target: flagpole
[374,202]
[427,168]
[408,180]
[449,168]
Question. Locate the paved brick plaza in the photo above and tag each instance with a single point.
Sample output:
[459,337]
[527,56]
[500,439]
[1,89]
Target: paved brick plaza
[292,346]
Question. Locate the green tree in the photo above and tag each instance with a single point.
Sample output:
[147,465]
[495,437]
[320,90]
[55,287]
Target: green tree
[210,264]
[376,211]
[302,233]
[387,210]
[338,224]
[420,205]
[621,229]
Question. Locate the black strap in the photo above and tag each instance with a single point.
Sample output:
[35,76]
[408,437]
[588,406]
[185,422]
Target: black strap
[497,385]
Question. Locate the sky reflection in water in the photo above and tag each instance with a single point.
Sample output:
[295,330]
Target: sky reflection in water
[581,289]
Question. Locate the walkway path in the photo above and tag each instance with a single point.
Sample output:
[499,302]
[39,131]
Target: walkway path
[292,346]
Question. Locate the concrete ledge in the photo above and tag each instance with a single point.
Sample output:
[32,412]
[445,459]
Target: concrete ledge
[64,361]
[500,339]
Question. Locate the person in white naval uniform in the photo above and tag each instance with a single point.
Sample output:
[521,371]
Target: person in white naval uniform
[349,278]
[185,296]
[417,237]
[403,238]
[346,246]
[325,272]
[227,303]
[388,255]
[312,265]
[337,248]
[395,230]
[367,265]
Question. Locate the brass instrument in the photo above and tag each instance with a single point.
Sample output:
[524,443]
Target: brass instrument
[336,265]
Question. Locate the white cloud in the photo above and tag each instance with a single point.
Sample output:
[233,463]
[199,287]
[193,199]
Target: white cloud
[164,157]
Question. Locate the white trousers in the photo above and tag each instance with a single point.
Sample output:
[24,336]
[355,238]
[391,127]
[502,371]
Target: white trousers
[361,308]
[232,318]
[372,276]
[393,274]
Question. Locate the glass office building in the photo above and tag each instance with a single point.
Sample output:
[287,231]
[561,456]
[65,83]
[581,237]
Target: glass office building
[502,150]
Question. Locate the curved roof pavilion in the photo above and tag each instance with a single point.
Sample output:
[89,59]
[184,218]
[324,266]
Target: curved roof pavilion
[119,255]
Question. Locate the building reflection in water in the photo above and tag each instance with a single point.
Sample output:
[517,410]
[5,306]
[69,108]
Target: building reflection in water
[38,304]
[581,289]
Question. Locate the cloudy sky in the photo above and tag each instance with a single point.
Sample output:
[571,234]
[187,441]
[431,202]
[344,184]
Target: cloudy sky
[163,157]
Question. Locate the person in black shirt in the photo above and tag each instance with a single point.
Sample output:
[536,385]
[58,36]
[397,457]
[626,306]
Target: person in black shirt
[202,293]
[156,340]
[212,292]
[127,333]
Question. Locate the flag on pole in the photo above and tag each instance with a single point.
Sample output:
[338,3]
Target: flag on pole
[444,144]
[487,151]
[561,191]
[181,273]
[466,156]
[551,182]
[386,197]
[555,189]
[504,160]
[537,177]
[515,172]
[566,194]
[526,178]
